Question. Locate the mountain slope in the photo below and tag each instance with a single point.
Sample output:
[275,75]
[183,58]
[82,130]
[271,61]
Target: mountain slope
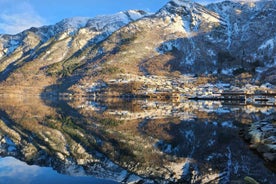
[191,39]
[227,38]
[149,45]
[26,54]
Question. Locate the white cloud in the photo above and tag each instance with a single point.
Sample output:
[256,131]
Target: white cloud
[15,23]
[11,168]
[20,16]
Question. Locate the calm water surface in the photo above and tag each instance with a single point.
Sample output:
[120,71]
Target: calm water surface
[127,141]
[13,171]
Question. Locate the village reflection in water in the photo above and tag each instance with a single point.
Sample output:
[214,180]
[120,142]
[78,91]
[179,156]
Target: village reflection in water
[130,109]
[132,140]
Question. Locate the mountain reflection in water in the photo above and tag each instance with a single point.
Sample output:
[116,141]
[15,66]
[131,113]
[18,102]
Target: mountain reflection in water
[136,140]
[13,171]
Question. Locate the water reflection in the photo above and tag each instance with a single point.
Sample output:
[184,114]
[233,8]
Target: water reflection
[13,171]
[122,109]
[135,140]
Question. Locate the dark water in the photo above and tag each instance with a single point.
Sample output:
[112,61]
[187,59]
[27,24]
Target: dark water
[128,141]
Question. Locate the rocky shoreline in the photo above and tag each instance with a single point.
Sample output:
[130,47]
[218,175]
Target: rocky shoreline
[262,137]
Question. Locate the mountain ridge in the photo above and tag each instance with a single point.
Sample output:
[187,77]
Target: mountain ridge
[226,38]
[60,40]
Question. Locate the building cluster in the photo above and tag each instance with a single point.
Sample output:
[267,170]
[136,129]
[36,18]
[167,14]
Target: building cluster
[181,87]
[211,98]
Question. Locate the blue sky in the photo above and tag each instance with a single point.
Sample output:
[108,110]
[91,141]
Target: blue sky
[18,15]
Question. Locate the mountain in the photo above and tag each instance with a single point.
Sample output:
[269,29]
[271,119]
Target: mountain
[220,39]
[36,48]
[230,41]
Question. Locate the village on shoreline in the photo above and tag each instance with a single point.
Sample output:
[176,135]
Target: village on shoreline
[178,88]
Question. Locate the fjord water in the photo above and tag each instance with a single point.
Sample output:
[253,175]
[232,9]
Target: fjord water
[13,171]
[127,141]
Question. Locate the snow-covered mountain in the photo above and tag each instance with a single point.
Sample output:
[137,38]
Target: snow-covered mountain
[223,37]
[59,40]
[71,26]
[228,38]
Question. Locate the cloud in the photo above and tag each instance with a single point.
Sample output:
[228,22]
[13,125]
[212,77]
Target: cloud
[15,23]
[20,16]
[11,168]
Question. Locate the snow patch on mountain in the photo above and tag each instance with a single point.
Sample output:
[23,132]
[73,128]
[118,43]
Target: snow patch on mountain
[73,23]
[9,44]
[268,44]
[136,14]
[183,3]
[229,32]
[112,23]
